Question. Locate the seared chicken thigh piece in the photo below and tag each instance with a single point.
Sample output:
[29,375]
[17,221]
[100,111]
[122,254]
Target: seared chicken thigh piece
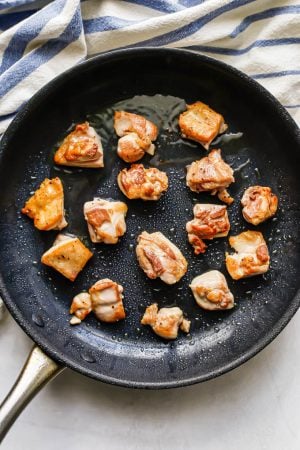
[159,258]
[211,173]
[138,182]
[210,221]
[67,255]
[81,148]
[46,206]
[251,257]
[259,204]
[136,135]
[81,306]
[201,123]
[166,321]
[107,304]
[211,291]
[105,219]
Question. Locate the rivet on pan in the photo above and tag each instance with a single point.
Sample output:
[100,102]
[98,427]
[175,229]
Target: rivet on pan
[37,319]
[87,357]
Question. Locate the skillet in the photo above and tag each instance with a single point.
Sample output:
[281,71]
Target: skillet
[262,145]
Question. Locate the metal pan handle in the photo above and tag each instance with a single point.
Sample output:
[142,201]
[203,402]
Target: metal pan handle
[38,370]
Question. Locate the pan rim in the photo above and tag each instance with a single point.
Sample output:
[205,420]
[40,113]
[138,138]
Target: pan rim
[44,342]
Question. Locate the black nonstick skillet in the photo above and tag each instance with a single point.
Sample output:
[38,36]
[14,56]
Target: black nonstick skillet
[261,144]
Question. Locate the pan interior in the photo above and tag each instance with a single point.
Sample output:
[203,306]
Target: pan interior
[259,145]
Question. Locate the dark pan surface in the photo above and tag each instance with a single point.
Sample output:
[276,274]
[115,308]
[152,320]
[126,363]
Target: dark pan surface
[153,82]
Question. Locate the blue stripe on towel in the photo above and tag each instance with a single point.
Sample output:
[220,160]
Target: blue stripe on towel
[34,60]
[27,32]
[11,19]
[242,51]
[292,106]
[6,4]
[159,5]
[105,23]
[272,12]
[283,73]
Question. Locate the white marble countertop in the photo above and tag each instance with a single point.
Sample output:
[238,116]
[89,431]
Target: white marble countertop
[253,407]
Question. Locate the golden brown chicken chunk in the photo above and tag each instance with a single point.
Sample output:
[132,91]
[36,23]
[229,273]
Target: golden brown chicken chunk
[136,135]
[46,206]
[107,304]
[159,258]
[67,255]
[259,204]
[210,221]
[201,124]
[211,291]
[166,321]
[251,257]
[81,148]
[211,173]
[81,306]
[105,219]
[138,182]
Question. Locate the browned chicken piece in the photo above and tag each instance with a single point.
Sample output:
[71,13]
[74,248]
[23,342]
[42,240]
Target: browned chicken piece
[136,135]
[67,255]
[81,148]
[46,206]
[166,321]
[259,204]
[210,222]
[211,291]
[107,304]
[159,258]
[211,173]
[146,184]
[105,219]
[201,124]
[251,257]
[81,306]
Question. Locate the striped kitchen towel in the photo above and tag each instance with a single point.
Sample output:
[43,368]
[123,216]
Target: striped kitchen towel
[40,39]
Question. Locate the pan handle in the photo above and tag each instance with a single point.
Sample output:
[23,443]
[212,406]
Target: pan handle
[38,370]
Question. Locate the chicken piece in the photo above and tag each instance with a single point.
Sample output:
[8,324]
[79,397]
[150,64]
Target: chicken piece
[107,304]
[46,206]
[158,257]
[166,321]
[81,148]
[211,291]
[201,124]
[252,257]
[67,255]
[138,182]
[210,221]
[136,135]
[259,204]
[211,173]
[81,306]
[105,219]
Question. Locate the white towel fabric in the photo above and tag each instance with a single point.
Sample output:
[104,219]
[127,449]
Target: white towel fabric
[40,39]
